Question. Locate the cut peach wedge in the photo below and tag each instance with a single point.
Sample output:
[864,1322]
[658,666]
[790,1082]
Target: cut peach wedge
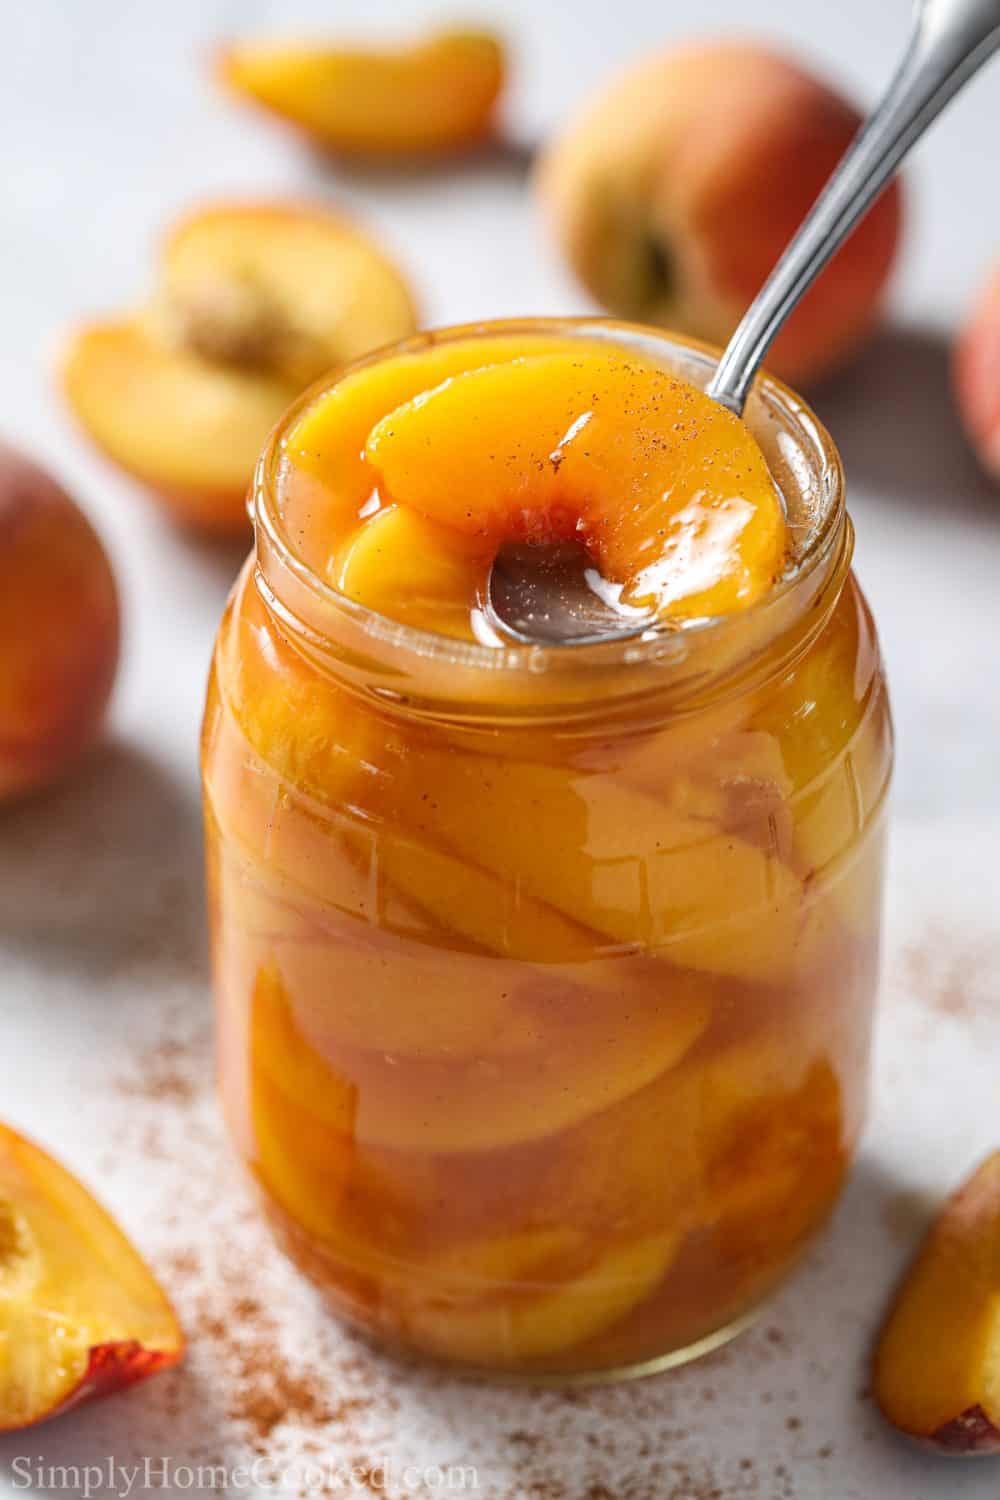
[189,430]
[255,301]
[81,1314]
[669,490]
[937,1365]
[288,287]
[432,96]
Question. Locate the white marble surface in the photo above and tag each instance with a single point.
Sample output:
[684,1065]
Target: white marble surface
[109,127]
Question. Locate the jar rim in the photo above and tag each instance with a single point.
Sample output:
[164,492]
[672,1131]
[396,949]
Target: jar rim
[663,641]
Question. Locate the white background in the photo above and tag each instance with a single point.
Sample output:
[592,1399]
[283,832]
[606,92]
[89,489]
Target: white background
[109,126]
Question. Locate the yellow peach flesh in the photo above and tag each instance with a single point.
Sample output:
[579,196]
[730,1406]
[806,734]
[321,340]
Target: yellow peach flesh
[669,489]
[256,301]
[80,1312]
[435,95]
[937,1365]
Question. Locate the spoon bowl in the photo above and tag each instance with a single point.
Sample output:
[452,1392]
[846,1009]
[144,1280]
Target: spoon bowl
[550,593]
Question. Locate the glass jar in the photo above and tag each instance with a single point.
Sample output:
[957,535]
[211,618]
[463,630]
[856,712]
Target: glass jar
[545,977]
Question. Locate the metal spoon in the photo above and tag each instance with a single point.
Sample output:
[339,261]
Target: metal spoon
[544,594]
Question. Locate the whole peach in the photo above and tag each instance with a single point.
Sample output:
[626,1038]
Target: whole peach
[977,376]
[676,190]
[58,627]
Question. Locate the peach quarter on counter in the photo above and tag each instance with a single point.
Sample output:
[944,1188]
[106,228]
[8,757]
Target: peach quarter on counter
[545,980]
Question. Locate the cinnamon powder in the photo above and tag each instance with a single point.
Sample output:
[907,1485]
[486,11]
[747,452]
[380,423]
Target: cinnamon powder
[270,1374]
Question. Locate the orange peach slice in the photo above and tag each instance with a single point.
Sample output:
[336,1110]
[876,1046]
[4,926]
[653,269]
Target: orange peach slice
[340,974]
[538,1320]
[80,1311]
[637,1165]
[302,1112]
[655,196]
[937,1365]
[432,96]
[647,869]
[474,904]
[573,864]
[670,491]
[481,1103]
[257,300]
[562,876]
[326,445]
[775,1154]
[406,567]
[279,1049]
[301,1161]
[830,717]
[58,628]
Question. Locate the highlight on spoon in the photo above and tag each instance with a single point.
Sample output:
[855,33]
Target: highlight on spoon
[552,594]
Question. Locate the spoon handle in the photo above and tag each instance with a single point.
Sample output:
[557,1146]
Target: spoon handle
[951,40]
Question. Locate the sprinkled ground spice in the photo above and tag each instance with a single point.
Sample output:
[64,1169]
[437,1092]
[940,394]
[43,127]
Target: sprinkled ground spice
[271,1376]
[953,981]
[254,1385]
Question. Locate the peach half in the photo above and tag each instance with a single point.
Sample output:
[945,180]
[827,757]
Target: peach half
[255,301]
[977,376]
[58,628]
[435,95]
[81,1314]
[937,1365]
[676,189]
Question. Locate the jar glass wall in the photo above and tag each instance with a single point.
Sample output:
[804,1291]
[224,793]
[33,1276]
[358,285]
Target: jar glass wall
[545,978]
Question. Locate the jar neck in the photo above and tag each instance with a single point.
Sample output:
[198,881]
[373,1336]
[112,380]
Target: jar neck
[682,671]
[670,671]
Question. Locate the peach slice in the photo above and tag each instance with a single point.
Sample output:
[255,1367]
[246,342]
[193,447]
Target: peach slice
[480,1103]
[561,876]
[302,1112]
[256,301]
[80,1311]
[670,491]
[326,445]
[655,198]
[279,1048]
[830,717]
[776,1157]
[538,1320]
[573,865]
[58,628]
[937,1364]
[609,862]
[433,96]
[339,974]
[472,903]
[404,566]
[637,1165]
